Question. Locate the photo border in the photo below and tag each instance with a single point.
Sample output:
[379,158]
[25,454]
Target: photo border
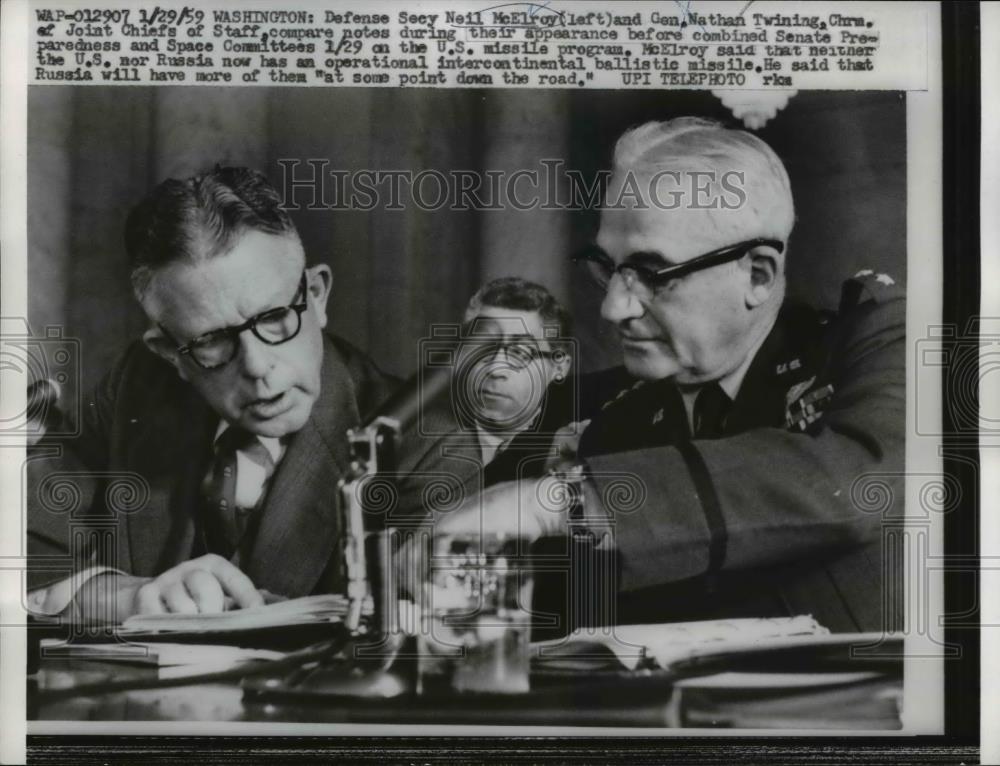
[960,290]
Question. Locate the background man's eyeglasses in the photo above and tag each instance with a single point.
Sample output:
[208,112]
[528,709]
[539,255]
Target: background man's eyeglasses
[273,327]
[519,354]
[601,268]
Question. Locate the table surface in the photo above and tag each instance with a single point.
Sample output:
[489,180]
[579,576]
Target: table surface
[639,701]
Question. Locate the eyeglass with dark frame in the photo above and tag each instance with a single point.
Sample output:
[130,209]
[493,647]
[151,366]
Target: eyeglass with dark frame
[519,352]
[602,268]
[218,348]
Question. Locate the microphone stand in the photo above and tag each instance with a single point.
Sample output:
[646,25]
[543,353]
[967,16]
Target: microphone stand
[366,664]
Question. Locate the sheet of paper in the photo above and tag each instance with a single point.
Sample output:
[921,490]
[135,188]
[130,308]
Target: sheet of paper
[308,609]
[161,654]
[669,642]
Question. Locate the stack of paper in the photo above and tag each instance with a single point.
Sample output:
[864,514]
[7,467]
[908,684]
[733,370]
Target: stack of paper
[751,673]
[861,700]
[170,660]
[307,610]
[668,643]
[160,654]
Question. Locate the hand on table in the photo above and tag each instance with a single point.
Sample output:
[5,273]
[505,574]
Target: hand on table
[208,583]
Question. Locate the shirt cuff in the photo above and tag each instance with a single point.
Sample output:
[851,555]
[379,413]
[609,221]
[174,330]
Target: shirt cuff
[53,599]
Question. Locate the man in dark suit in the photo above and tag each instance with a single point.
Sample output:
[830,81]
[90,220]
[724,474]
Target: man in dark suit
[731,475]
[508,395]
[224,428]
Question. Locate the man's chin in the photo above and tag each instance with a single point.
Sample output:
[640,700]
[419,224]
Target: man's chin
[276,427]
[495,421]
[647,367]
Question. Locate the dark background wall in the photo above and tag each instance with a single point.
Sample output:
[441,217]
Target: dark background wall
[93,152]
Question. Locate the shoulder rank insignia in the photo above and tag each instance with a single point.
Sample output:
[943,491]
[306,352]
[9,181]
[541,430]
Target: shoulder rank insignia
[784,367]
[869,284]
[801,408]
[621,394]
[884,279]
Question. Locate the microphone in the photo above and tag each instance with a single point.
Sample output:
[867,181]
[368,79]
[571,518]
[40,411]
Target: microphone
[373,452]
[424,388]
[42,411]
[42,395]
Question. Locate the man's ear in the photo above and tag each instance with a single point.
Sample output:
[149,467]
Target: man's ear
[320,282]
[164,348]
[764,275]
[561,362]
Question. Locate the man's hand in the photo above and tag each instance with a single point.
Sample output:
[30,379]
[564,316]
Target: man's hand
[565,445]
[528,509]
[209,583]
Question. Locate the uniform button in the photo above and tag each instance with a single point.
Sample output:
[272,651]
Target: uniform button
[227,472]
[223,505]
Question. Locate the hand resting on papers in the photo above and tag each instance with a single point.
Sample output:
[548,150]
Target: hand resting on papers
[206,584]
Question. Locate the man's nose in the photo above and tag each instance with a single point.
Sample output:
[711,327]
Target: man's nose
[620,304]
[498,365]
[256,357]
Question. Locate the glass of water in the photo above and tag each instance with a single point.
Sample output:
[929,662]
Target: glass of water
[475,616]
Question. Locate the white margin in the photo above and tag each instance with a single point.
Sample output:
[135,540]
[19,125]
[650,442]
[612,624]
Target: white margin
[13,301]
[989,614]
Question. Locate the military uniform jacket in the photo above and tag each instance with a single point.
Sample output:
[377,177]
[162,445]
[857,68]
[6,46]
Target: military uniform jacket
[770,518]
[126,493]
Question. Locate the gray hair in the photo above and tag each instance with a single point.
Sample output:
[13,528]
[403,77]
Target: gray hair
[698,144]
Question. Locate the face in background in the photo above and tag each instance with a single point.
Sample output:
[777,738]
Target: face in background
[502,390]
[266,389]
[699,327]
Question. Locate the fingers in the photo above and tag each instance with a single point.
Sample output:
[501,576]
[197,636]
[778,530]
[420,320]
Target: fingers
[205,591]
[568,438]
[565,446]
[178,600]
[147,599]
[203,585]
[233,581]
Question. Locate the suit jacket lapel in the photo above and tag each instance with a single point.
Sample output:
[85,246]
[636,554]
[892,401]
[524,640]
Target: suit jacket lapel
[300,529]
[171,453]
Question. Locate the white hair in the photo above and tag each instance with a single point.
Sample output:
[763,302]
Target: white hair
[688,144]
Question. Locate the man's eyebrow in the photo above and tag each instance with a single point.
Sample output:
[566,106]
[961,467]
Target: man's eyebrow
[498,332]
[595,249]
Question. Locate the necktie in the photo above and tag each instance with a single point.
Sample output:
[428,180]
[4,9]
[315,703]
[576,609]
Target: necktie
[710,409]
[227,525]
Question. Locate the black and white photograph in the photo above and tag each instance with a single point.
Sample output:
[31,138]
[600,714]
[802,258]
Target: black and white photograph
[381,408]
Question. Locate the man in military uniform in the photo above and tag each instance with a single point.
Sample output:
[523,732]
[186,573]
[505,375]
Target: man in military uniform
[728,474]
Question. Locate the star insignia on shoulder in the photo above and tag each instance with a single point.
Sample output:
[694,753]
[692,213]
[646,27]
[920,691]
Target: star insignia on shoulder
[621,394]
[882,279]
